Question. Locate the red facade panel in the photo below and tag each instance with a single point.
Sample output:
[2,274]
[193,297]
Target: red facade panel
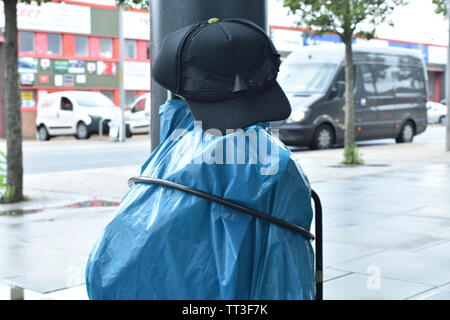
[94,47]
[40,43]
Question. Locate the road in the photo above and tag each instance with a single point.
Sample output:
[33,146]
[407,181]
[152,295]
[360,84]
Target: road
[71,154]
[66,154]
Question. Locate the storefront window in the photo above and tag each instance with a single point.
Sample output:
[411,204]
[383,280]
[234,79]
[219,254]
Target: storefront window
[54,43]
[26,41]
[81,46]
[27,99]
[106,50]
[130,49]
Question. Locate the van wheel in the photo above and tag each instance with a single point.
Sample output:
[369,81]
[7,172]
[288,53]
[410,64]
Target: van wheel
[82,131]
[443,120]
[42,133]
[323,137]
[407,133]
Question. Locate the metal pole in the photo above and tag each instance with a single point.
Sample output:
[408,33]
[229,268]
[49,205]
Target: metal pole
[121,76]
[168,16]
[447,83]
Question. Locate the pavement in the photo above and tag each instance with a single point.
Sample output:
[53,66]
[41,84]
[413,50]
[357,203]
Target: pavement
[386,224]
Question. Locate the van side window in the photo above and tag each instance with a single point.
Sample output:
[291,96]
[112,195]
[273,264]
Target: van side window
[340,84]
[410,81]
[383,79]
[368,79]
[66,104]
[140,106]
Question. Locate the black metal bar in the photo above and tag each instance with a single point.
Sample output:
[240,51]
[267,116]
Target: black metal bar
[301,231]
[168,16]
[319,244]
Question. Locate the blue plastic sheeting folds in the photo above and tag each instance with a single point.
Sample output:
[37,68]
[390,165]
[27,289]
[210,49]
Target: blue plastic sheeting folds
[168,244]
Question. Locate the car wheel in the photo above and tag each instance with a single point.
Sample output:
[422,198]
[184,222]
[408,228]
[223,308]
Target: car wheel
[42,133]
[128,132]
[407,133]
[323,137]
[443,120]
[82,131]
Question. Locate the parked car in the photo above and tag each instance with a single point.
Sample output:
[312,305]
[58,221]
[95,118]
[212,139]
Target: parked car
[73,113]
[138,116]
[437,112]
[390,90]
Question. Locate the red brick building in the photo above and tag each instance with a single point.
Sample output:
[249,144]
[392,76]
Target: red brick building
[70,45]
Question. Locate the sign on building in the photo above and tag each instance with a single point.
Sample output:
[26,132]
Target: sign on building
[136,25]
[53,17]
[136,75]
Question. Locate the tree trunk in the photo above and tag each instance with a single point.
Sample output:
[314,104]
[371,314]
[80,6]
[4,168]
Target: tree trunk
[349,138]
[13,123]
[447,84]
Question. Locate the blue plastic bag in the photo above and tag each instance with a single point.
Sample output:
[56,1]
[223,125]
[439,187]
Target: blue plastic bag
[168,244]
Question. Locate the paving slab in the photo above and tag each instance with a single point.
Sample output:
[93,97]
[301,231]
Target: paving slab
[380,237]
[430,211]
[335,253]
[330,274]
[100,182]
[427,266]
[47,250]
[52,279]
[420,225]
[21,259]
[363,287]
[437,293]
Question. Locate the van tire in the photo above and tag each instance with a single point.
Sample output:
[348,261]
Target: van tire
[82,131]
[407,133]
[323,137]
[443,120]
[42,133]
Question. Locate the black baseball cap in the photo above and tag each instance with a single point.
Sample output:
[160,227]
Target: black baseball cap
[226,69]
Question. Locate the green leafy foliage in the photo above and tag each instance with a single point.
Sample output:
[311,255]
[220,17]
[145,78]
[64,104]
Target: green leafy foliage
[346,18]
[33,1]
[139,4]
[352,156]
[343,17]
[441,6]
[6,191]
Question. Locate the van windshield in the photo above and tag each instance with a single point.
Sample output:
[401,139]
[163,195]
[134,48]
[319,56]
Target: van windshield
[305,78]
[91,99]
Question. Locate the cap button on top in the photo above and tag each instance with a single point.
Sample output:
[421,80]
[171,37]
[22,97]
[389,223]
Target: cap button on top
[213,20]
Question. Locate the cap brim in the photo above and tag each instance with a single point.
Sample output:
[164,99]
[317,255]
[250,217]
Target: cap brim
[242,111]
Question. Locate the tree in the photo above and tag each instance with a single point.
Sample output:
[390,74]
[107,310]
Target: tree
[140,4]
[14,158]
[441,6]
[14,162]
[346,18]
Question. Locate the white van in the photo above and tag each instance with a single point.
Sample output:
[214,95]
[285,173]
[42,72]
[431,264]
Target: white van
[73,113]
[138,116]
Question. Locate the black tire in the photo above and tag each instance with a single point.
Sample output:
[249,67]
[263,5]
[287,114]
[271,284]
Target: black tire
[443,120]
[407,133]
[128,132]
[323,138]
[82,131]
[42,133]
